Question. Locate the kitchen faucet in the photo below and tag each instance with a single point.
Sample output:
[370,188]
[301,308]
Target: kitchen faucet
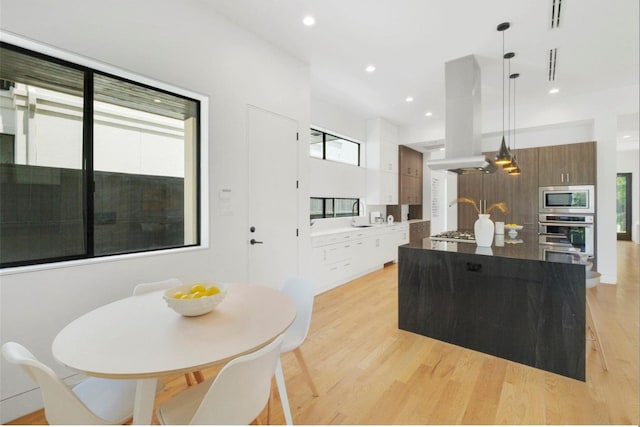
[353,211]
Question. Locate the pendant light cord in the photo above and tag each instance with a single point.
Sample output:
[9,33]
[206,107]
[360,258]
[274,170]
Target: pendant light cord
[509,108]
[503,83]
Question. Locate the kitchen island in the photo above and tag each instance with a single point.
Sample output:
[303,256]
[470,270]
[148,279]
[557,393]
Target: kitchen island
[505,301]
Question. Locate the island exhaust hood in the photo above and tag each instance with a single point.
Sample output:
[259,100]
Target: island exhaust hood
[463,120]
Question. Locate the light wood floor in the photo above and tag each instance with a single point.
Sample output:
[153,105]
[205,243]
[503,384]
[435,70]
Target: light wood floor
[370,372]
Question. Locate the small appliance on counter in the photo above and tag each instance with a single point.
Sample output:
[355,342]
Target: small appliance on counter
[376,217]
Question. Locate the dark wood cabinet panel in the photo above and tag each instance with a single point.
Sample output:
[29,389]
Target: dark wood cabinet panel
[519,193]
[523,190]
[469,186]
[571,164]
[410,182]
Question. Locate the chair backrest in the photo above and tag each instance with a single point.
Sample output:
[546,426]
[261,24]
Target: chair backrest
[61,405]
[143,288]
[300,290]
[242,388]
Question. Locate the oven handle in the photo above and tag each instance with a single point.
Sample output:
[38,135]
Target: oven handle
[565,224]
[560,245]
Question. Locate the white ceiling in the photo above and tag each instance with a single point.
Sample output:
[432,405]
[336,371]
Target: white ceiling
[409,41]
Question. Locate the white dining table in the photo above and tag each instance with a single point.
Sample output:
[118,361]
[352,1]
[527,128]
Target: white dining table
[141,338]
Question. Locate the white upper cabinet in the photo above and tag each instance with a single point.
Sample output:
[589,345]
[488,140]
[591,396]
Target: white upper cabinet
[382,162]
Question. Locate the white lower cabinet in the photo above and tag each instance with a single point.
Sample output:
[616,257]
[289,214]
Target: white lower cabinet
[343,256]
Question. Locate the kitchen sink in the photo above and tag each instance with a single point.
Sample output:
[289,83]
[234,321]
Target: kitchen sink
[362,226]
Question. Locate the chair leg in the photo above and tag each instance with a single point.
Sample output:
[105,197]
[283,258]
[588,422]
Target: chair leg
[187,377]
[198,376]
[305,371]
[269,403]
[282,391]
[596,336]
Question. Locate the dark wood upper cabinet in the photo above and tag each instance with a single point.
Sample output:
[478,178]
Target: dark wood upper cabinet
[410,182]
[571,164]
[519,193]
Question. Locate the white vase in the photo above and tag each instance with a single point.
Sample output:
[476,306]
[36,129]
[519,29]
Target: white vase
[483,229]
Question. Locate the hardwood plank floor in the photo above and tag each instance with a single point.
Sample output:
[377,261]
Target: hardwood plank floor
[369,372]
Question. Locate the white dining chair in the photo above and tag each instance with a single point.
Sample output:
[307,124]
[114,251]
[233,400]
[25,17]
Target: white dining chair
[143,288]
[236,395]
[93,401]
[300,290]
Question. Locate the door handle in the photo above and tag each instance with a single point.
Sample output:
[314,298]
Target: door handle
[255,242]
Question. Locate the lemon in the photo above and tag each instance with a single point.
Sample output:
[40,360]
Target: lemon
[197,294]
[186,296]
[212,290]
[178,295]
[198,288]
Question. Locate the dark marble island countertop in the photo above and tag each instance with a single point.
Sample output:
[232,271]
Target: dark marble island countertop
[523,246]
[505,301]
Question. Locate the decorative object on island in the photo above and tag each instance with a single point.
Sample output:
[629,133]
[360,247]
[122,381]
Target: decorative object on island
[484,228]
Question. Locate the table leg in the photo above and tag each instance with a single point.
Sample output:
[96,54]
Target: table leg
[282,391]
[144,400]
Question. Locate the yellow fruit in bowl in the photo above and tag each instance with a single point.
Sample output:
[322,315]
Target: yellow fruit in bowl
[197,295]
[186,296]
[178,295]
[212,290]
[198,288]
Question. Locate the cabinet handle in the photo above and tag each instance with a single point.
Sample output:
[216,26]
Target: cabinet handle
[567,177]
[562,177]
[409,171]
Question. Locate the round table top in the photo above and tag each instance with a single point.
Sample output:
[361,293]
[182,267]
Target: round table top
[141,337]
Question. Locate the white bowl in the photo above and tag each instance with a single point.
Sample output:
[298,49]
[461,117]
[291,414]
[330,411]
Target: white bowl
[197,306]
[513,233]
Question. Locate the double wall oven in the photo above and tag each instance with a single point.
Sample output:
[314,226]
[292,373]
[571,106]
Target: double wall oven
[566,226]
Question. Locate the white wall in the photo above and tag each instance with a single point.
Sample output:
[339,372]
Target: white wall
[186,46]
[333,179]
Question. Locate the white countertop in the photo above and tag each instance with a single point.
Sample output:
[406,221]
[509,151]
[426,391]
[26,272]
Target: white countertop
[347,229]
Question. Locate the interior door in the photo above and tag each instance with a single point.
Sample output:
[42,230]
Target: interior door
[273,197]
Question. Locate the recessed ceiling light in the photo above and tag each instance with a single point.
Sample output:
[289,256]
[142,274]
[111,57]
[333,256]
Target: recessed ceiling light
[370,68]
[554,90]
[428,114]
[157,100]
[626,136]
[309,20]
[442,149]
[409,99]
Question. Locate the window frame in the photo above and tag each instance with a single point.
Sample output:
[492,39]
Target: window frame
[334,215]
[324,146]
[89,68]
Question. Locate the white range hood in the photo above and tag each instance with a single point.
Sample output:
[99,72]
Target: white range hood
[463,120]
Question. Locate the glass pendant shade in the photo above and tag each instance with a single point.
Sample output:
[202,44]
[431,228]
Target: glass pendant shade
[504,156]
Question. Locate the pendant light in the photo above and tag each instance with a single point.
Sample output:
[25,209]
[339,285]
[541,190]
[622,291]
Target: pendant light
[516,170]
[509,166]
[504,156]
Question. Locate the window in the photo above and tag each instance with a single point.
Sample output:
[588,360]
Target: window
[325,146]
[623,206]
[328,207]
[96,164]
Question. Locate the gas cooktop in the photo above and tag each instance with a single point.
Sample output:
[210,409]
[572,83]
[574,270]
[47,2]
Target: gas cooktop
[455,236]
